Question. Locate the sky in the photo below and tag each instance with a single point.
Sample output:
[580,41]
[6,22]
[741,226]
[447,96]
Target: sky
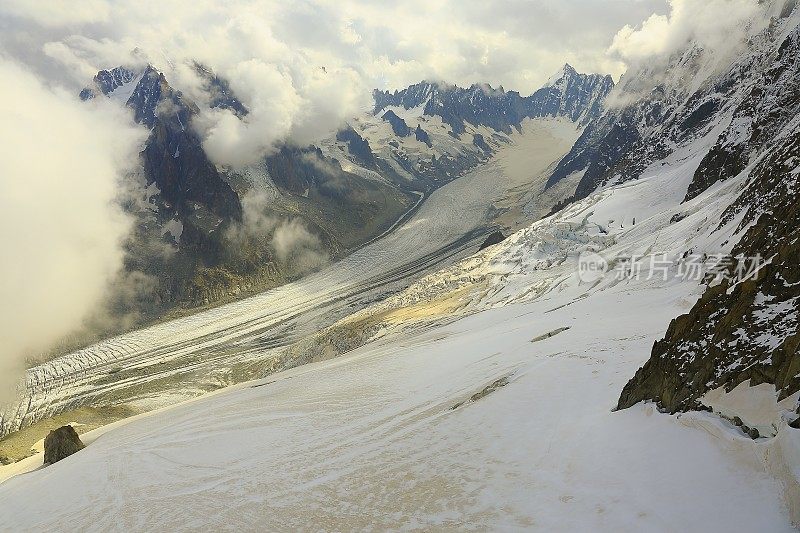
[389,44]
[302,68]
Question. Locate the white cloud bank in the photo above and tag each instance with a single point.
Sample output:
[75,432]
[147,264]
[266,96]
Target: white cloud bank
[686,46]
[717,26]
[60,230]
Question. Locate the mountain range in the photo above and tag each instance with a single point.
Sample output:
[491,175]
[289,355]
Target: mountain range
[624,344]
[359,181]
[192,243]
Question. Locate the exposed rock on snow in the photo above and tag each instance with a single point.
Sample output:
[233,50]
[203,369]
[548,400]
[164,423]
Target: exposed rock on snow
[740,330]
[495,238]
[488,389]
[60,444]
[399,125]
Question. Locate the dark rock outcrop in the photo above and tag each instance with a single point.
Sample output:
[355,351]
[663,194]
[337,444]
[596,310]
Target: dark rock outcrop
[60,444]
[596,152]
[494,238]
[399,126]
[358,146]
[422,136]
[480,142]
[190,185]
[174,160]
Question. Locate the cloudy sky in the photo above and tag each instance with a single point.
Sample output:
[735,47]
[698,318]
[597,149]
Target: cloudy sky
[304,67]
[388,43]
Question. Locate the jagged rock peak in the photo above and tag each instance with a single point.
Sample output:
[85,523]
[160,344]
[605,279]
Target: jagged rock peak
[568,93]
[567,71]
[413,96]
[150,93]
[219,91]
[107,81]
[143,88]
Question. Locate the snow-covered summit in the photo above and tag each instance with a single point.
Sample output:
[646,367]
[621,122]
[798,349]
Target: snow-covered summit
[112,82]
[560,75]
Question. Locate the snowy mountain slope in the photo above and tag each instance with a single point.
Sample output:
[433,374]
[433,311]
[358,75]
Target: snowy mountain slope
[501,420]
[739,332]
[770,101]
[740,121]
[119,81]
[745,331]
[371,442]
[735,338]
[657,108]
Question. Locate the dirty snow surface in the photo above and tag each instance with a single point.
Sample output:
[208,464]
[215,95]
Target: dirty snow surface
[372,440]
[495,414]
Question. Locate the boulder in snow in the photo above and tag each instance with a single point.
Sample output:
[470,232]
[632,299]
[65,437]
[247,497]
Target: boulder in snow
[61,443]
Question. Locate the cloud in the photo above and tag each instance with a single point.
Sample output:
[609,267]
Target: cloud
[303,68]
[273,103]
[58,12]
[288,241]
[717,29]
[298,248]
[715,25]
[60,228]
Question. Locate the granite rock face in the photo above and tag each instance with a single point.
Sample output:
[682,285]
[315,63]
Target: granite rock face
[745,327]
